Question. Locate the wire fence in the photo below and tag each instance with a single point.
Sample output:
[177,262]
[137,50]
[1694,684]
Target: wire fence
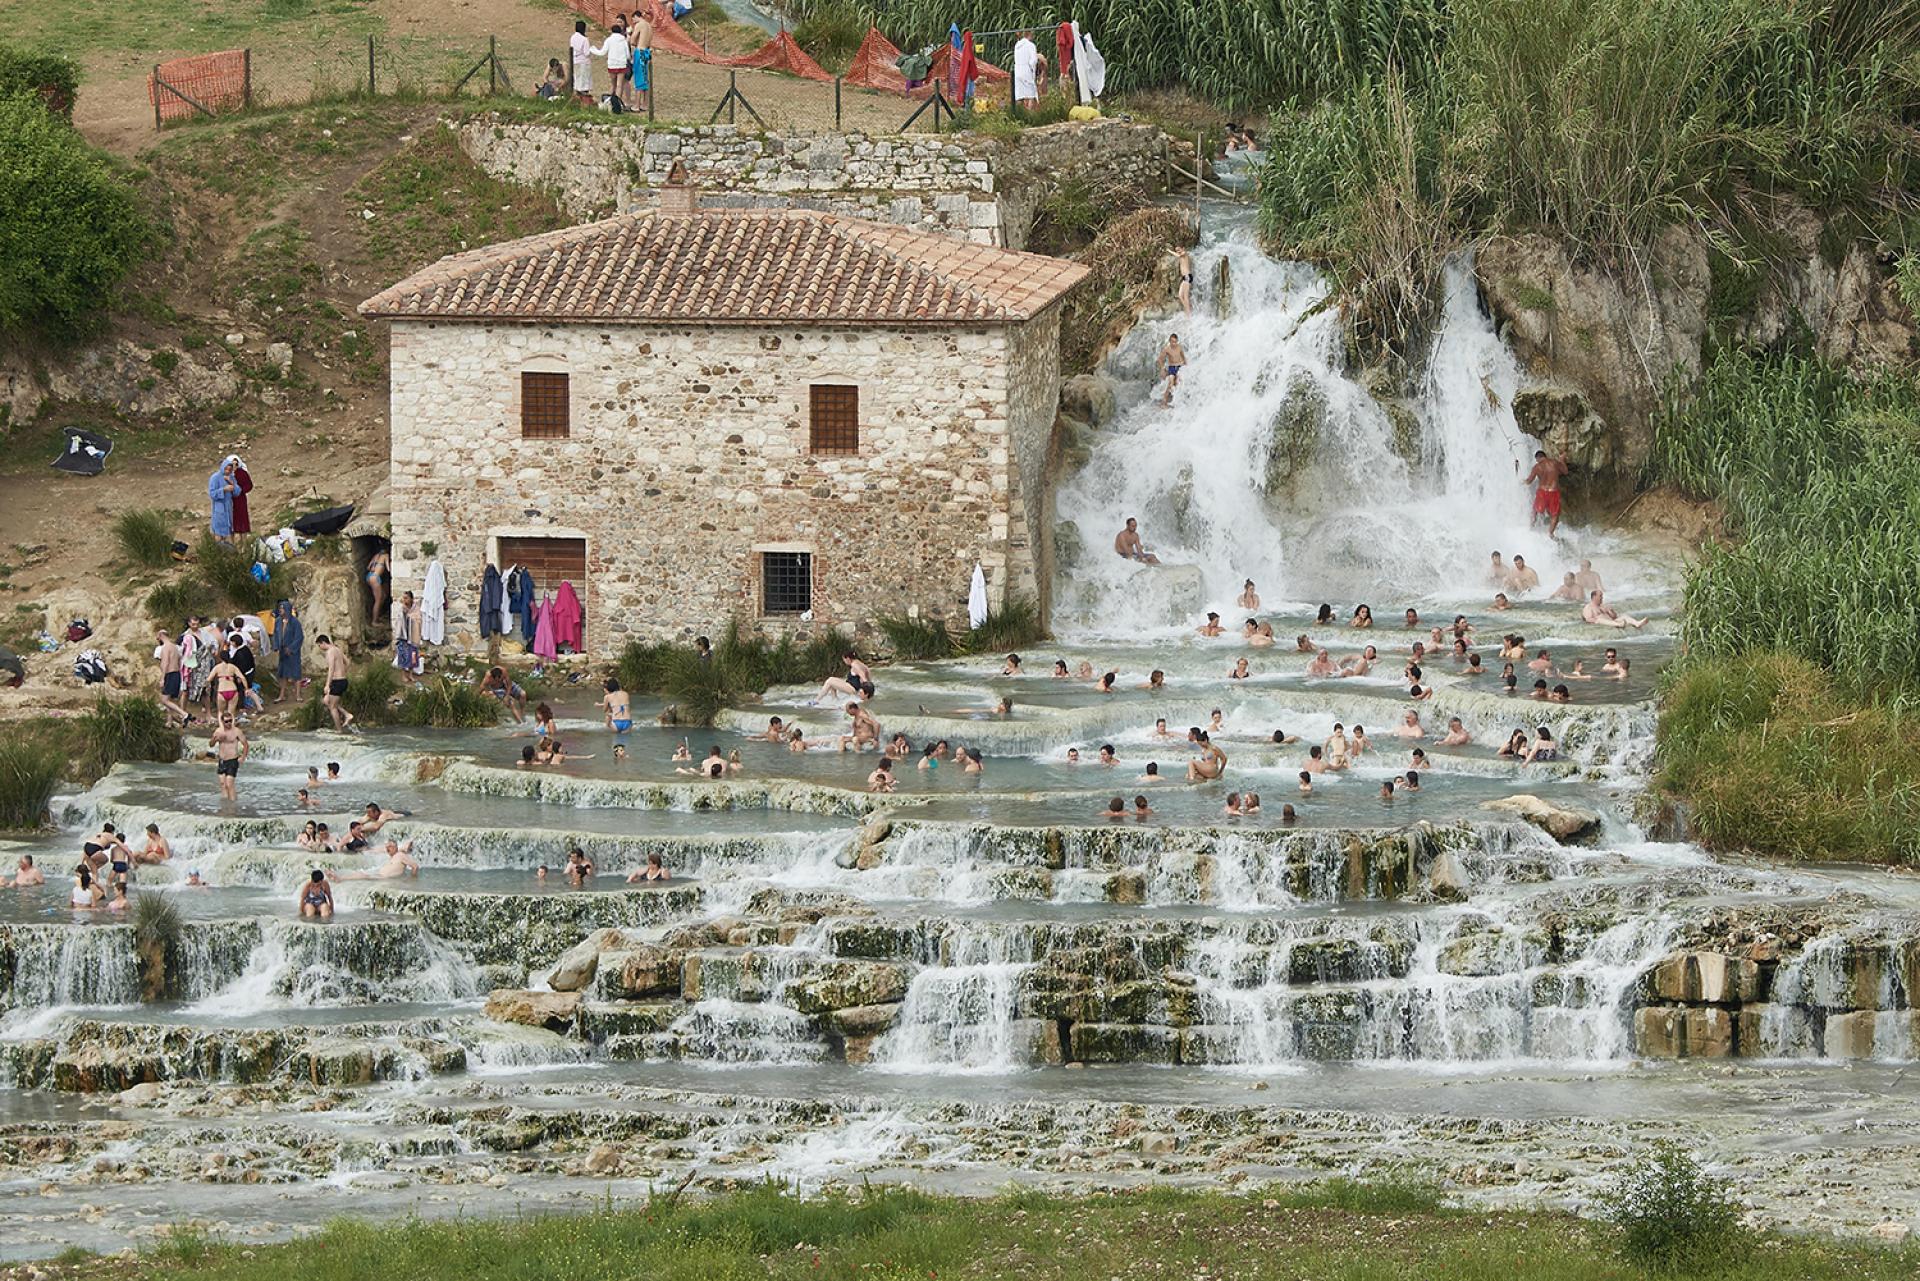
[768,89]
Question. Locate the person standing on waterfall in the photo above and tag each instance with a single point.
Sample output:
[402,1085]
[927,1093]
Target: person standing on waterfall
[1547,473]
[1173,358]
[1185,260]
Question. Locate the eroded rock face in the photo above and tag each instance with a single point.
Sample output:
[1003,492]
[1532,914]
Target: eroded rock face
[578,964]
[554,1011]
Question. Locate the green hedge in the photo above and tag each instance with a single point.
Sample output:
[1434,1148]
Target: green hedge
[49,77]
[70,226]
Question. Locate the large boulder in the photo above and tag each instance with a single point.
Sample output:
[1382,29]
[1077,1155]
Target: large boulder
[1092,398]
[1568,824]
[553,1011]
[840,985]
[578,964]
[634,973]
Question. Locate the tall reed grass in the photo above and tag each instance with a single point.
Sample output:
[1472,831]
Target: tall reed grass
[125,729]
[29,771]
[144,536]
[742,666]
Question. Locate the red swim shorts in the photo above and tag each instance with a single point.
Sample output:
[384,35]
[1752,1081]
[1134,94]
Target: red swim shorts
[1546,500]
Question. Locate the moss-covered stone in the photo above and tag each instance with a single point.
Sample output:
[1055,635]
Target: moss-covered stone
[1122,1043]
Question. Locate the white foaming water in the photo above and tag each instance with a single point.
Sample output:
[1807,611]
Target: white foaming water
[959,1017]
[1274,463]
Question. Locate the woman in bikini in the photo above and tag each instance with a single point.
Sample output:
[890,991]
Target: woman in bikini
[379,575]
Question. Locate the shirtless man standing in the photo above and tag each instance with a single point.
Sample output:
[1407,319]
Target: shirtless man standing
[169,657]
[1587,580]
[1523,579]
[229,743]
[336,682]
[1546,474]
[1127,543]
[1173,358]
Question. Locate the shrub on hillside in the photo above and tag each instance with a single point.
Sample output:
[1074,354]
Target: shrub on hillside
[170,604]
[227,568]
[29,771]
[1671,1213]
[52,80]
[145,537]
[832,31]
[70,226]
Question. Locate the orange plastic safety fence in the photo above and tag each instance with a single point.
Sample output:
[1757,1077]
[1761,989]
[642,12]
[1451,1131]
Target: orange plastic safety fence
[215,81]
[782,53]
[874,66]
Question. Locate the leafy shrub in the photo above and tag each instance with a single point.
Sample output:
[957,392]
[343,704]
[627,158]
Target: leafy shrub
[917,639]
[1671,1213]
[54,80]
[741,668]
[145,537]
[29,771]
[642,668]
[156,929]
[1013,626]
[447,704]
[70,227]
[126,729]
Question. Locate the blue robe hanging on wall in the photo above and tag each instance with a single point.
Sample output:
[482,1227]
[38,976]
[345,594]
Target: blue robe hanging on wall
[491,590]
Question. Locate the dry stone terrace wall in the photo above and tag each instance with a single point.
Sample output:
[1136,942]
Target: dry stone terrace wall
[957,184]
[688,454]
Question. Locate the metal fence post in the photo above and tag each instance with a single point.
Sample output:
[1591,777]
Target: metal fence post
[653,86]
[493,67]
[733,91]
[246,78]
[156,95]
[372,84]
[836,104]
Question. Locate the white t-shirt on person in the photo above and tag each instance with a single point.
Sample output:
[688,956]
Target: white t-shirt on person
[582,62]
[617,51]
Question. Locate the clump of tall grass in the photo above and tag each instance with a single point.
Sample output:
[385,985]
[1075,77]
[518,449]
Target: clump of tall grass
[227,568]
[125,729]
[1765,753]
[371,690]
[170,604]
[447,704]
[832,31]
[29,771]
[741,667]
[917,639]
[144,536]
[1819,473]
[1015,625]
[1122,257]
[1672,1214]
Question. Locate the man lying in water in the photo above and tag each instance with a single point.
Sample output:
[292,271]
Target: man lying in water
[395,864]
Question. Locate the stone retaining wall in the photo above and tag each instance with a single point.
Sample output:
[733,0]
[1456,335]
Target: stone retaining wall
[957,184]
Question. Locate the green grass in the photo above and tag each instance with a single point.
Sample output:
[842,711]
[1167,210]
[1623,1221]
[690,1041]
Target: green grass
[133,728]
[29,771]
[145,537]
[1765,753]
[917,639]
[831,31]
[1334,1232]
[744,665]
[371,689]
[431,200]
[448,704]
[227,570]
[192,26]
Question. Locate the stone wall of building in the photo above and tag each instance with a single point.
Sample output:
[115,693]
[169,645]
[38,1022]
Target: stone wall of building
[1034,388]
[956,184]
[688,455]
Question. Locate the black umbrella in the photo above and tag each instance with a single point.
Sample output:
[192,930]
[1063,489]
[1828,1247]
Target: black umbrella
[330,521]
[85,454]
[10,662]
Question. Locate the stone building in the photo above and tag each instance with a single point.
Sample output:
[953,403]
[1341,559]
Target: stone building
[789,417]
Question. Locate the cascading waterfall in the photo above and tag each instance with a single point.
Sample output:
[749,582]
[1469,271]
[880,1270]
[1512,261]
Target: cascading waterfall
[347,963]
[1276,463]
[959,1016]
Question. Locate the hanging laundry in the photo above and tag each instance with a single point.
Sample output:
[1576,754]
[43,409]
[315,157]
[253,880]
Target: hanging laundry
[529,606]
[567,619]
[492,590]
[433,606]
[543,639]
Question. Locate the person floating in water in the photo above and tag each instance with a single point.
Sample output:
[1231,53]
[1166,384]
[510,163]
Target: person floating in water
[1173,358]
[1546,476]
[1127,543]
[1600,614]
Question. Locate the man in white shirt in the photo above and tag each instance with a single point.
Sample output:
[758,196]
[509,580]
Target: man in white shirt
[1026,71]
[582,64]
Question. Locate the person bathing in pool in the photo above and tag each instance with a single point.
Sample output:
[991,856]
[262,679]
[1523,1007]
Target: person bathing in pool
[619,710]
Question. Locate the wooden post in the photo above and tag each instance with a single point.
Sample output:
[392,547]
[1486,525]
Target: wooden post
[372,85]
[493,67]
[733,92]
[156,95]
[246,78]
[836,104]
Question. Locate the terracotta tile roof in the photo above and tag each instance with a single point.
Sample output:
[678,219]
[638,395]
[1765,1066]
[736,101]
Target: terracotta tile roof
[734,267]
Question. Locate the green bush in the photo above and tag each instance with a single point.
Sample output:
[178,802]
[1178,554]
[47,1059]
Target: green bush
[170,604]
[1014,626]
[29,771]
[126,729]
[228,570]
[743,666]
[70,226]
[371,690]
[448,704]
[54,80]
[917,639]
[1671,1213]
[145,537]
[1766,754]
[642,668]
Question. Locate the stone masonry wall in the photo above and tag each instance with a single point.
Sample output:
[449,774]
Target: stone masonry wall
[688,453]
[1034,388]
[955,184]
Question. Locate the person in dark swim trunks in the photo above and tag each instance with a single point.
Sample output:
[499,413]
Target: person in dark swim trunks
[1173,358]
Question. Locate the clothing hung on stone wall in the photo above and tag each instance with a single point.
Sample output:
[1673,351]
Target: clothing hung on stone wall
[543,639]
[567,620]
[433,606]
[520,593]
[492,591]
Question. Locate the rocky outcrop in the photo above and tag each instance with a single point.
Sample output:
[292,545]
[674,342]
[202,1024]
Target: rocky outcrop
[553,1011]
[1568,824]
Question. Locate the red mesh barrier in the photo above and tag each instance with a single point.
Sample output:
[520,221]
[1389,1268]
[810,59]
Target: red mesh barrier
[943,57]
[873,67]
[782,53]
[217,81]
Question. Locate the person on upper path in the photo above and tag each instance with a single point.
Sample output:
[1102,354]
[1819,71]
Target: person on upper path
[222,489]
[582,63]
[1546,475]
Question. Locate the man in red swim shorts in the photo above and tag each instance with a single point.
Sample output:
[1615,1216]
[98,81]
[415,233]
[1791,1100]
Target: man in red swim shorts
[1546,499]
